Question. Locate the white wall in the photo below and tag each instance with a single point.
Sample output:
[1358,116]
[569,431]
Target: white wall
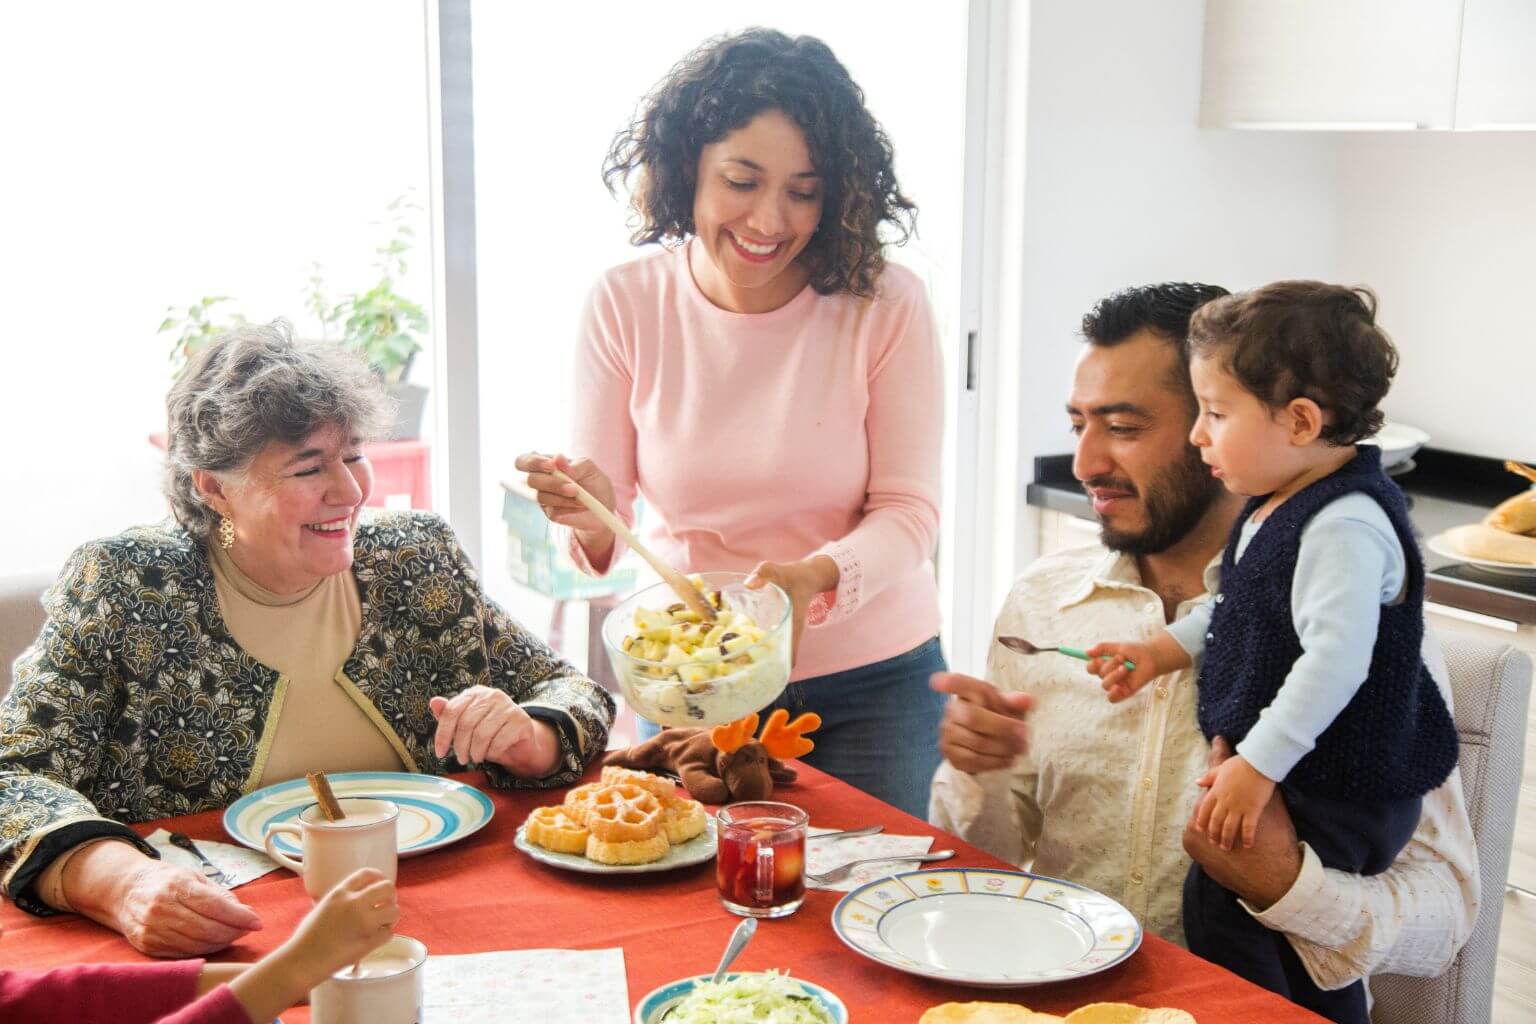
[1122,188]
[1443,228]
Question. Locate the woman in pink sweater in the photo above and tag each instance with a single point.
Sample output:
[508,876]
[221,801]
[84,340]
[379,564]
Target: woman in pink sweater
[772,387]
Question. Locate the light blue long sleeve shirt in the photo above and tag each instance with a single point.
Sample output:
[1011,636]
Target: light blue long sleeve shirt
[1350,563]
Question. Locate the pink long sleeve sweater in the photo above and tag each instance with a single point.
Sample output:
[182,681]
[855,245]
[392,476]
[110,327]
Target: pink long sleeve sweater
[815,428]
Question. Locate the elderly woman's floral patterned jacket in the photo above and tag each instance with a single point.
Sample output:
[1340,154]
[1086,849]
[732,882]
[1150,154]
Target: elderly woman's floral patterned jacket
[136,703]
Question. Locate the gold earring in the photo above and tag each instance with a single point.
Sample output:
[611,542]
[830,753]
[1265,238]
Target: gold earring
[226,533]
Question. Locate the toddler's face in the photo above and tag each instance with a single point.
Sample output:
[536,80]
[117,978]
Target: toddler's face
[1247,446]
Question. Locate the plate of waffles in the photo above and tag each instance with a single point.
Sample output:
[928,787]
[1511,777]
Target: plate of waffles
[627,822]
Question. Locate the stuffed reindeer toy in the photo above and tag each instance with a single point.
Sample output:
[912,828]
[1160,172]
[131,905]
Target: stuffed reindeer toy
[725,764]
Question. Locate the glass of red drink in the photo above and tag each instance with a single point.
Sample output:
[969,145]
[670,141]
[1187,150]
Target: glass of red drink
[760,863]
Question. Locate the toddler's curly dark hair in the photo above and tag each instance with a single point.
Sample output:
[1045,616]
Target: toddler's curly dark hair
[723,85]
[1303,339]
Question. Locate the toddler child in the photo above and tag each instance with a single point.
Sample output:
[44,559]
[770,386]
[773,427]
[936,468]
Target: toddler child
[1310,654]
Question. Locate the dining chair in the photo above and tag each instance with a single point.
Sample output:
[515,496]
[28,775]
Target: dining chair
[21,616]
[1490,687]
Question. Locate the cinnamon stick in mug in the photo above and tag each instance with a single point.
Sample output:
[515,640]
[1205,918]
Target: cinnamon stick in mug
[323,795]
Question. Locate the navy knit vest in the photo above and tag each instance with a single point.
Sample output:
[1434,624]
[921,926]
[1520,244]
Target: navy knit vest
[1396,738]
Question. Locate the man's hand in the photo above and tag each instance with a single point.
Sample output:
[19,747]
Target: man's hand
[1261,874]
[983,728]
[483,724]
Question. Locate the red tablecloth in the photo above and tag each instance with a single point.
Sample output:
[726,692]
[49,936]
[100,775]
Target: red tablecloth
[482,894]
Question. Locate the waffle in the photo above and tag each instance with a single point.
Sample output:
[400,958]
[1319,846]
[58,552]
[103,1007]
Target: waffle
[553,829]
[682,820]
[622,814]
[638,851]
[662,789]
[579,801]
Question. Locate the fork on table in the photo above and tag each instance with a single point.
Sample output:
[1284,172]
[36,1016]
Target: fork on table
[840,872]
[210,869]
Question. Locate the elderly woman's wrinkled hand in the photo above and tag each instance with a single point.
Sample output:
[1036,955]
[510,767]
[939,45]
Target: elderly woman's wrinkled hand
[168,911]
[483,725]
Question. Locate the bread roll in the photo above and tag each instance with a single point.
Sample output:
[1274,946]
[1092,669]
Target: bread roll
[1480,541]
[1517,515]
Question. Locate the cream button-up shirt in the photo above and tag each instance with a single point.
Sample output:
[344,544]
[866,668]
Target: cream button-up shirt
[1103,792]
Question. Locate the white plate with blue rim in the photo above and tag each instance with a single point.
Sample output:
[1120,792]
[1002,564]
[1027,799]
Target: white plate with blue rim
[434,812]
[986,928]
[660,1002]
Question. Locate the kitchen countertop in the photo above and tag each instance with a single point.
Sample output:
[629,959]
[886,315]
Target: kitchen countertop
[1445,489]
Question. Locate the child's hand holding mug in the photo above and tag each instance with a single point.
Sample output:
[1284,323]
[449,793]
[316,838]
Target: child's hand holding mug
[349,922]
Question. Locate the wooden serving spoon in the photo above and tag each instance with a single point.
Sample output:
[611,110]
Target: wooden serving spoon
[676,580]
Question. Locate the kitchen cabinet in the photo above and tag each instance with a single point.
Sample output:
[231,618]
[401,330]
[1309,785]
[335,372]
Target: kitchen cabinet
[1331,64]
[1497,88]
[1369,65]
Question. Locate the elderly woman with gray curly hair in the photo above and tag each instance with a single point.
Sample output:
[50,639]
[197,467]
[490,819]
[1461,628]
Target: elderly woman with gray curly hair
[272,628]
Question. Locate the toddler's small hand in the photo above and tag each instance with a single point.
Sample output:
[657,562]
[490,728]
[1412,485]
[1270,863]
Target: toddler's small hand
[1109,661]
[1231,808]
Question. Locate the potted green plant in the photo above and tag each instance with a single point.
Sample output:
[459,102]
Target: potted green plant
[380,323]
[195,326]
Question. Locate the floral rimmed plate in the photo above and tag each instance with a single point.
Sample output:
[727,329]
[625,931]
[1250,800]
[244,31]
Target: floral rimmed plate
[984,927]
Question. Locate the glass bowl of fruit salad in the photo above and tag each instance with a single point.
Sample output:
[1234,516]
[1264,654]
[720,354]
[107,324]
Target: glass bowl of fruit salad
[676,669]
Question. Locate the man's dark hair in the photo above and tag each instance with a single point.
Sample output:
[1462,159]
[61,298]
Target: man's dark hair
[1304,339]
[1164,309]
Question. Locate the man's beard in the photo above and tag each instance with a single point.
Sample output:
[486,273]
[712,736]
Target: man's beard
[1174,504]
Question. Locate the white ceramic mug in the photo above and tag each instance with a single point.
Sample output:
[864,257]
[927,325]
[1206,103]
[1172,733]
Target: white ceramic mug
[363,838]
[386,989]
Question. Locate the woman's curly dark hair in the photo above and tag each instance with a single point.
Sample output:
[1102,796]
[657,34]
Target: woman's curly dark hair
[1304,339]
[723,85]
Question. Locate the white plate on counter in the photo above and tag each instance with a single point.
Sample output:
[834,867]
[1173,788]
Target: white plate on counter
[1442,547]
[986,928]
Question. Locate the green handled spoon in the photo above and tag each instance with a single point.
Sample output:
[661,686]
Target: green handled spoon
[1022,646]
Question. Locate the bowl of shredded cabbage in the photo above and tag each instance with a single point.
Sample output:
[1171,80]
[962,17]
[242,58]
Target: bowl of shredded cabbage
[765,997]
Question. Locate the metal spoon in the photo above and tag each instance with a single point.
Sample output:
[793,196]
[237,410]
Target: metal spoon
[1021,646]
[739,939]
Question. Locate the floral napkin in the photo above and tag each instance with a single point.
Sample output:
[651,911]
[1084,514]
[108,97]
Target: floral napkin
[243,865]
[826,854]
[549,986]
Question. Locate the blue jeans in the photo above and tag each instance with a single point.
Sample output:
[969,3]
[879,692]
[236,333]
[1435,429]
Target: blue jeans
[879,725]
